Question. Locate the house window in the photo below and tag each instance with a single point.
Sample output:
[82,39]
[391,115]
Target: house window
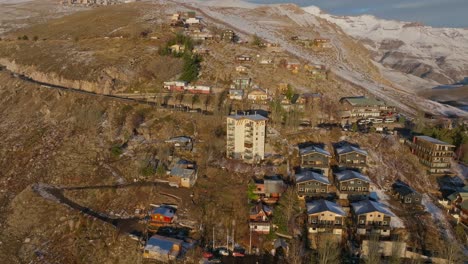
[301,189]
[323,190]
[343,188]
[364,188]
[323,214]
[384,222]
[314,221]
[370,215]
[362,222]
[337,222]
[358,182]
[416,199]
[352,182]
[317,183]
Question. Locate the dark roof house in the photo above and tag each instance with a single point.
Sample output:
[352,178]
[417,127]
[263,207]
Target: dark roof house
[348,175]
[368,206]
[319,206]
[307,175]
[405,193]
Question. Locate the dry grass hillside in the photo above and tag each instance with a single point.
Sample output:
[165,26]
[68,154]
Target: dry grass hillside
[100,50]
[68,139]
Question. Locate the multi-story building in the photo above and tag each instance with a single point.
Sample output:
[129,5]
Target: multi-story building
[315,157]
[352,185]
[324,218]
[362,107]
[433,153]
[372,217]
[351,156]
[246,137]
[311,184]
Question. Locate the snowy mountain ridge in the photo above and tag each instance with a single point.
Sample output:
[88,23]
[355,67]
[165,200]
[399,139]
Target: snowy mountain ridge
[438,54]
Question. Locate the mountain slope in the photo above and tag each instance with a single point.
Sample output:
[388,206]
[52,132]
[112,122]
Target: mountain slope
[349,61]
[438,54]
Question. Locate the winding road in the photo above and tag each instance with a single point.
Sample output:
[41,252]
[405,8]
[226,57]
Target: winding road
[132,225]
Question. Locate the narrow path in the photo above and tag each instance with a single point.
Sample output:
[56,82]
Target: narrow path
[130,225]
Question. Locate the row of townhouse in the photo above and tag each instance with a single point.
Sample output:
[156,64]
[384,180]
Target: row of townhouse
[367,217]
[318,158]
[339,202]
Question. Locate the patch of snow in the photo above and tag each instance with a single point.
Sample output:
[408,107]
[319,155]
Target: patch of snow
[378,194]
[396,222]
[224,3]
[43,190]
[438,216]
[462,170]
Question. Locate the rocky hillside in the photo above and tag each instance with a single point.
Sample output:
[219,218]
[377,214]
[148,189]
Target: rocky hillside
[438,54]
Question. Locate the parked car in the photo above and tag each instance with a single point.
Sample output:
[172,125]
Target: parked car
[223,251]
[207,255]
[238,252]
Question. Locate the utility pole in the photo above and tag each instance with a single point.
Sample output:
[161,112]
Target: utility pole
[233,233]
[250,240]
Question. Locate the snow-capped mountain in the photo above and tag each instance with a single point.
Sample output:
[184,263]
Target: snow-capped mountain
[438,54]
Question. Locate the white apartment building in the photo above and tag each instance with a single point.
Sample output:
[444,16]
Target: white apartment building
[246,137]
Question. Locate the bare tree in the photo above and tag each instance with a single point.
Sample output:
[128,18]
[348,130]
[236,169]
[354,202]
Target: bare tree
[328,250]
[195,99]
[397,247]
[295,251]
[451,252]
[373,249]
